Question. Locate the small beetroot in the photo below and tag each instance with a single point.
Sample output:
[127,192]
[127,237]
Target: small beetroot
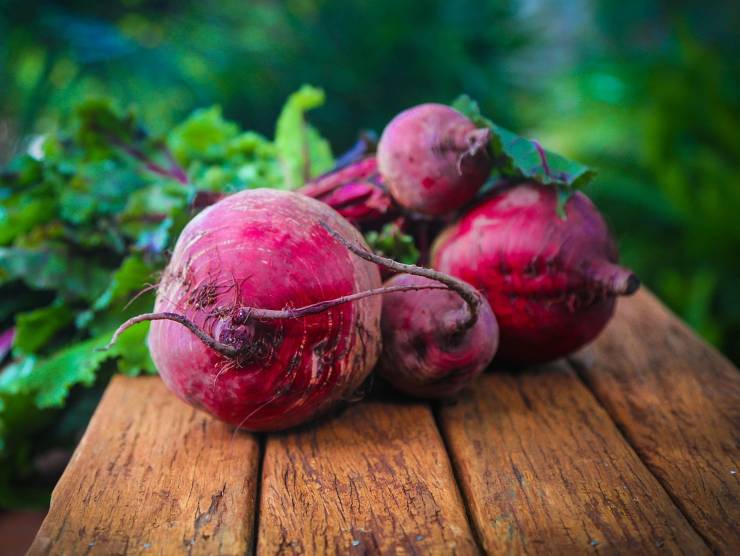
[433,159]
[552,282]
[435,341]
[427,350]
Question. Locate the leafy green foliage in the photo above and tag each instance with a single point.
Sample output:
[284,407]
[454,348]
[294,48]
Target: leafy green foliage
[204,135]
[220,157]
[391,242]
[48,380]
[86,228]
[52,267]
[34,329]
[301,150]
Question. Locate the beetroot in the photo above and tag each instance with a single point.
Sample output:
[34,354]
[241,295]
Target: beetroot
[435,342]
[427,351]
[552,282]
[229,333]
[433,159]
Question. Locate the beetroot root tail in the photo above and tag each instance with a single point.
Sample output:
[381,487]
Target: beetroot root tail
[615,279]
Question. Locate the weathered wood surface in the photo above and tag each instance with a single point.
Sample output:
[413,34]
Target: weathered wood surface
[376,480]
[634,452]
[153,476]
[677,401]
[545,471]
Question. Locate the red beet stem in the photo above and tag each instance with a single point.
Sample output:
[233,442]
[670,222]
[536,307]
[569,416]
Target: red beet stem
[357,171]
[243,314]
[464,290]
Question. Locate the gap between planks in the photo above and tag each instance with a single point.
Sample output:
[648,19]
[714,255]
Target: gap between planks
[545,471]
[374,480]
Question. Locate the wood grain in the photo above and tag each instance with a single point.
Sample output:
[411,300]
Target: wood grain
[677,401]
[152,475]
[545,471]
[375,480]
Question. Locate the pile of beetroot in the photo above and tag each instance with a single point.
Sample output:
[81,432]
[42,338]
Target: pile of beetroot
[272,309]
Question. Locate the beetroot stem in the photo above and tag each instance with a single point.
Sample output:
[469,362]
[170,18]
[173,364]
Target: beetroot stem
[464,290]
[245,313]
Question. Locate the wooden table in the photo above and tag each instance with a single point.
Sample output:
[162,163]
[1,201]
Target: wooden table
[631,447]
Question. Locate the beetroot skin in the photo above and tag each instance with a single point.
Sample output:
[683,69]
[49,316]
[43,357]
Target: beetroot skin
[433,159]
[265,249]
[551,282]
[420,355]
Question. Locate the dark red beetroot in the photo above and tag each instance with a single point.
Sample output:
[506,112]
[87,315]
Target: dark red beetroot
[427,351]
[264,249]
[433,159]
[551,282]
[435,341]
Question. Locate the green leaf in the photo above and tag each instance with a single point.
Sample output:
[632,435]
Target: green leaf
[132,276]
[133,351]
[303,153]
[97,189]
[205,135]
[159,198]
[49,380]
[220,157]
[100,124]
[393,243]
[250,144]
[22,214]
[53,269]
[22,172]
[33,329]
[517,157]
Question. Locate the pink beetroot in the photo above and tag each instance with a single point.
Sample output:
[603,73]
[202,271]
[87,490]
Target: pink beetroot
[433,159]
[428,351]
[552,282]
[247,323]
[435,341]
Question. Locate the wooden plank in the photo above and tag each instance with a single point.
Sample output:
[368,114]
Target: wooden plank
[375,480]
[545,471]
[677,401]
[152,475]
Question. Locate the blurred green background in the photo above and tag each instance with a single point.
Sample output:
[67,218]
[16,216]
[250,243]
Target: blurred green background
[647,92]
